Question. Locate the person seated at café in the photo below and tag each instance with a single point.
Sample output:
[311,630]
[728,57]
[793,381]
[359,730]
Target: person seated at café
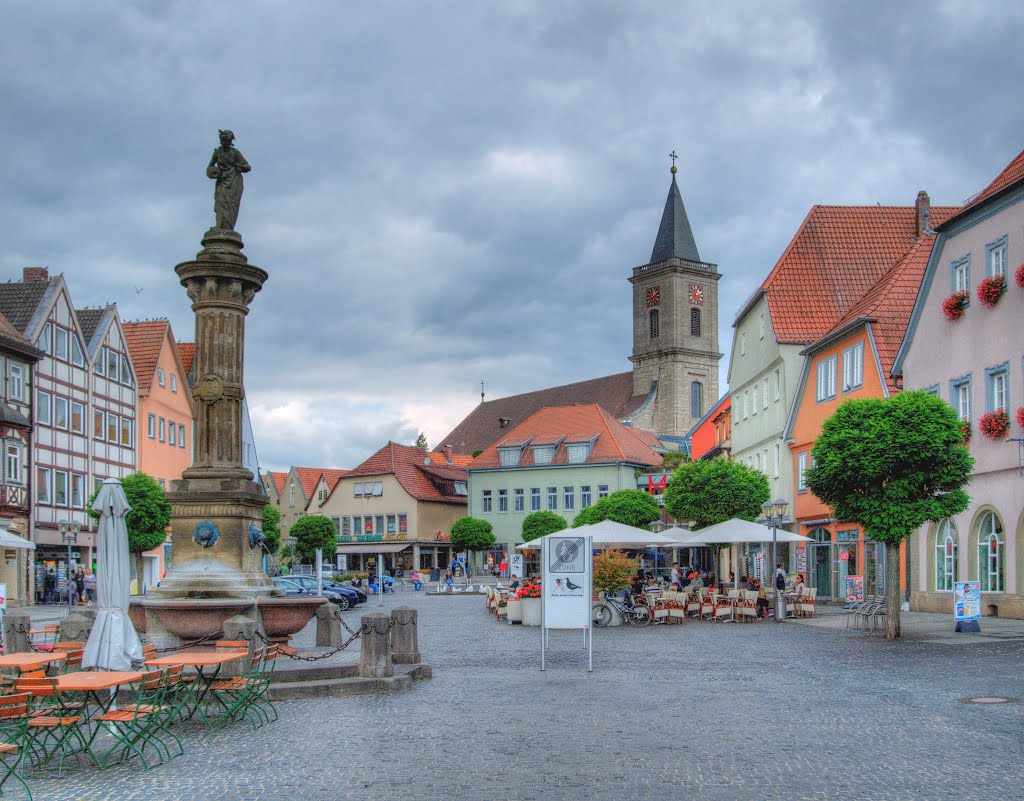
[651,585]
[417,582]
[762,600]
[515,583]
[799,587]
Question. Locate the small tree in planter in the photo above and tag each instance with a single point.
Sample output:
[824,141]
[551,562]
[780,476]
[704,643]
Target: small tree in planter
[953,306]
[991,289]
[612,571]
[995,425]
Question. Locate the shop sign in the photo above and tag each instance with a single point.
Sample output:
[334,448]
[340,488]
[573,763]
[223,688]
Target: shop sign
[342,562]
[368,526]
[394,537]
[844,555]
[403,524]
[440,536]
[391,526]
[855,588]
[967,601]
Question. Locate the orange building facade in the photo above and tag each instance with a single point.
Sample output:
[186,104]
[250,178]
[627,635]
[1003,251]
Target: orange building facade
[164,415]
[712,436]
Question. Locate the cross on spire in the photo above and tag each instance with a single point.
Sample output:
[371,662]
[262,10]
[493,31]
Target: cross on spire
[673,156]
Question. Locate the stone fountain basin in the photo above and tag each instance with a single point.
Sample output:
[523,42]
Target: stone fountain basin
[190,618]
[283,617]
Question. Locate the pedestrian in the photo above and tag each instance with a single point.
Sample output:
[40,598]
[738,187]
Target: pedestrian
[677,578]
[90,587]
[50,587]
[79,586]
[448,579]
[503,568]
[780,578]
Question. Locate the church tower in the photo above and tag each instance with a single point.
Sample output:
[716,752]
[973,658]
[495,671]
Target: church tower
[675,326]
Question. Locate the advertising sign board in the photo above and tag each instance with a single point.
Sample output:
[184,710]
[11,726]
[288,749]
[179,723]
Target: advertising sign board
[855,588]
[967,606]
[515,565]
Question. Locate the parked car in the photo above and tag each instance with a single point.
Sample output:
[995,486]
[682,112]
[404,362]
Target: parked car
[334,585]
[354,595]
[344,597]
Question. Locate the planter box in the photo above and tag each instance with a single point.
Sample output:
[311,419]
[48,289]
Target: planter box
[531,611]
[514,608]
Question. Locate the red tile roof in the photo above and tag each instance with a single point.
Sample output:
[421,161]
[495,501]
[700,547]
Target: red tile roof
[144,340]
[836,256]
[614,441]
[423,481]
[484,426]
[278,479]
[332,477]
[187,352]
[309,476]
[1012,174]
[889,304]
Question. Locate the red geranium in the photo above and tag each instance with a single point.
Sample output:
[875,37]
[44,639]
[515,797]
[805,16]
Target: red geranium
[1020,416]
[529,591]
[1019,276]
[953,306]
[991,289]
[995,425]
[965,427]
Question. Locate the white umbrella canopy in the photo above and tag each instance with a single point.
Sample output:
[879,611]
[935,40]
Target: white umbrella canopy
[113,643]
[739,531]
[609,534]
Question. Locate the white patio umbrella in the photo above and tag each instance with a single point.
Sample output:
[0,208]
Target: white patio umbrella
[113,643]
[736,531]
[609,534]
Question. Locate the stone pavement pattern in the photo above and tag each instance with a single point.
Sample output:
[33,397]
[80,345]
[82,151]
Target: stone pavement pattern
[713,712]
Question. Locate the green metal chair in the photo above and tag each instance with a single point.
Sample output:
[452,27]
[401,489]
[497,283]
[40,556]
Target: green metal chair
[138,725]
[14,717]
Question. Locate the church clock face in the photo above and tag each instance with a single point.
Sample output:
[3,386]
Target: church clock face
[653,297]
[696,295]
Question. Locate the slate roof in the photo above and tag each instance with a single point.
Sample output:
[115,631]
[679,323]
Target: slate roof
[12,337]
[424,482]
[889,304]
[613,442]
[145,339]
[187,354]
[88,321]
[20,299]
[483,427]
[675,237]
[1012,174]
[836,256]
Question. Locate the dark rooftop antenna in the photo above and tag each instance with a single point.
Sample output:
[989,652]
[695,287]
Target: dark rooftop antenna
[481,392]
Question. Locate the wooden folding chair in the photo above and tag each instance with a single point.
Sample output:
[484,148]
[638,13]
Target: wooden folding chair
[14,711]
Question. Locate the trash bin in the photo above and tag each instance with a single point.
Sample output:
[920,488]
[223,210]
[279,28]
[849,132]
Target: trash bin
[780,607]
[435,574]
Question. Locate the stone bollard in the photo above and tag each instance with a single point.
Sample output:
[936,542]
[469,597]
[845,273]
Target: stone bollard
[375,655]
[328,626]
[239,628]
[76,627]
[405,649]
[17,625]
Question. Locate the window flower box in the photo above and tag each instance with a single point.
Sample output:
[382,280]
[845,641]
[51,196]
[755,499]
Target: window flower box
[995,425]
[965,427]
[1020,416]
[1019,276]
[953,306]
[991,289]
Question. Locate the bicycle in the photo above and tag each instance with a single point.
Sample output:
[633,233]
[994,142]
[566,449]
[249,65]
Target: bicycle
[636,613]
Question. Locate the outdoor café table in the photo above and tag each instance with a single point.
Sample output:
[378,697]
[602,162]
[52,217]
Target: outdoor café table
[92,683]
[31,660]
[198,658]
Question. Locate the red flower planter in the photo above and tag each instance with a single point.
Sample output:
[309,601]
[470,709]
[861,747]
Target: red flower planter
[953,306]
[1019,276]
[965,427]
[1020,416]
[991,289]
[995,425]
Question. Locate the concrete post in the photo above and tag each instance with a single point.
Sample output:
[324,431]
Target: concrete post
[239,628]
[76,627]
[404,636]
[328,626]
[375,654]
[17,625]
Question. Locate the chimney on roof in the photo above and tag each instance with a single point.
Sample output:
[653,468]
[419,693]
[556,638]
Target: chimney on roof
[923,208]
[448,453]
[35,275]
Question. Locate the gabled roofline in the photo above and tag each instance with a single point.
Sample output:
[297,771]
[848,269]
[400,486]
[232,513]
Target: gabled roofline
[798,395]
[922,297]
[714,407]
[55,286]
[833,336]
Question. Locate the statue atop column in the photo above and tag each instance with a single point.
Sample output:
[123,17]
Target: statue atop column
[227,165]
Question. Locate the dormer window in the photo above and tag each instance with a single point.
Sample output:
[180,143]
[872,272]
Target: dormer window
[461,488]
[543,454]
[577,453]
[509,457]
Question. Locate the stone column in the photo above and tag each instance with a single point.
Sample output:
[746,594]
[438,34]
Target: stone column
[77,626]
[17,625]
[375,653]
[404,636]
[239,628]
[328,626]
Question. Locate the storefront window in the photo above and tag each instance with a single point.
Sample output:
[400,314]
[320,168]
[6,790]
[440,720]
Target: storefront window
[990,553]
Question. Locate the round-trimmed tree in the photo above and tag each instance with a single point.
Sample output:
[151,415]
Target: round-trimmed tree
[538,524]
[472,534]
[631,507]
[148,520]
[891,465]
[314,532]
[711,491]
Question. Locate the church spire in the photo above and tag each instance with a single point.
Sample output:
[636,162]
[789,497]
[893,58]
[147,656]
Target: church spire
[675,238]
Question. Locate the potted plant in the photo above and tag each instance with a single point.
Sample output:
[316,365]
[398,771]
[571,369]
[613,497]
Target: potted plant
[965,426]
[529,596]
[995,425]
[953,306]
[991,289]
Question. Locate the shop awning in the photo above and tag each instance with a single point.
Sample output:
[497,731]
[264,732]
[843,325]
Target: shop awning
[384,547]
[9,539]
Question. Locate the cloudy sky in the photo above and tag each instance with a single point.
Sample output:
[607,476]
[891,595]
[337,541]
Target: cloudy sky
[456,191]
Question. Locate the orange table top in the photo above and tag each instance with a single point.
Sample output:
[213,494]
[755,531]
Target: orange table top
[86,680]
[32,659]
[197,658]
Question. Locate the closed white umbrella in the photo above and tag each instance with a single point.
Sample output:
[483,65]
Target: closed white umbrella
[113,643]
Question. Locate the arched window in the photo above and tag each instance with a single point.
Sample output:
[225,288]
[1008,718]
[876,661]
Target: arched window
[654,323]
[990,553]
[945,556]
[695,405]
[695,322]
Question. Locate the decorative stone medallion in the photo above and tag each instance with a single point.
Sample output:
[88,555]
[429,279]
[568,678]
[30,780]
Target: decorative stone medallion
[210,389]
[256,536]
[206,533]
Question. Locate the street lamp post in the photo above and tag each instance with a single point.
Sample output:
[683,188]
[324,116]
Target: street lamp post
[775,513]
[69,535]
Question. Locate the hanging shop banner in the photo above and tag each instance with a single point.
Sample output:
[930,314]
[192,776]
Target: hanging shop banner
[515,565]
[566,582]
[854,588]
[967,600]
[801,558]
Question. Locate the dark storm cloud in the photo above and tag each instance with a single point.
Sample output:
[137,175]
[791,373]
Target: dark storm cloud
[456,191]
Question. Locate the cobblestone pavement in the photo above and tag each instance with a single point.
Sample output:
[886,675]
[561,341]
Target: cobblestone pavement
[713,712]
